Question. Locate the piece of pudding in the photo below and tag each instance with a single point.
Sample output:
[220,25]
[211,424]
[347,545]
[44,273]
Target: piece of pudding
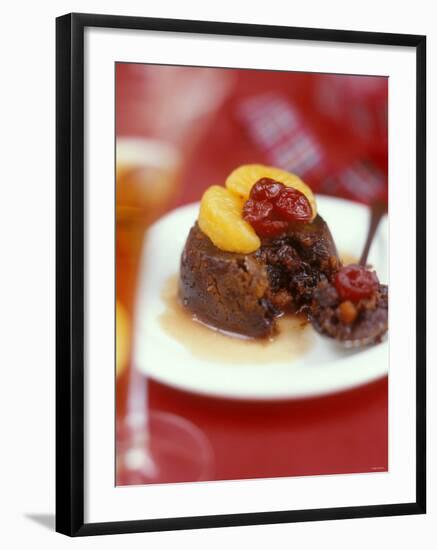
[258,250]
[352,308]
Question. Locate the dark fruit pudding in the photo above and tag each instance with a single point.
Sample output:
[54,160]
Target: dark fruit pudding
[259,250]
[244,292]
[353,309]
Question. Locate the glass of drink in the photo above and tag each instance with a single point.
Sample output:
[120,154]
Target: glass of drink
[161,113]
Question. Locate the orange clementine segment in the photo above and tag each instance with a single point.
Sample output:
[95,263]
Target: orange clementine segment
[220,218]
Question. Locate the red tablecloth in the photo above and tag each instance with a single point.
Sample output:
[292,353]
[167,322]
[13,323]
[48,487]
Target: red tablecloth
[342,433]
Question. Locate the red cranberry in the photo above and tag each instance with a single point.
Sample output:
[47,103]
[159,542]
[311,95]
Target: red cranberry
[354,282]
[259,215]
[255,211]
[292,205]
[270,228]
[271,206]
[266,189]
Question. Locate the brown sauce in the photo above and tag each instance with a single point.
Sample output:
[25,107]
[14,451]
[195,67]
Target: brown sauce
[293,339]
[348,258]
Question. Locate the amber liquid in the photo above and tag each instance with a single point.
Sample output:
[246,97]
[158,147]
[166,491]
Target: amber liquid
[146,178]
[293,338]
[348,258]
[145,181]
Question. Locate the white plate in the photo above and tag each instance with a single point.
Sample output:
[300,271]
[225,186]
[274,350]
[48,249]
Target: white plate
[324,368]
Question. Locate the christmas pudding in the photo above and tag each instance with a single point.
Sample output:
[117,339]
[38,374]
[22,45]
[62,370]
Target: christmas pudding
[259,249]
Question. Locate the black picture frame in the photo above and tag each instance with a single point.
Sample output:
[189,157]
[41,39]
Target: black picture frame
[70,273]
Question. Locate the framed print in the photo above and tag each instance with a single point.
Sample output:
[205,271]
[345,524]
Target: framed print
[240,274]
